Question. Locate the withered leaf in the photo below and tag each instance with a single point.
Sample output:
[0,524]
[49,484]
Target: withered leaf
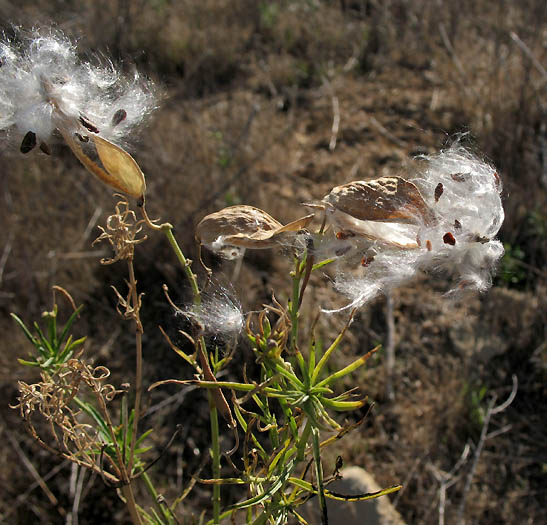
[384,199]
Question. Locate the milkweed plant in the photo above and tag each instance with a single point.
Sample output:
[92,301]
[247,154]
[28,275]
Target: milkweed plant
[372,235]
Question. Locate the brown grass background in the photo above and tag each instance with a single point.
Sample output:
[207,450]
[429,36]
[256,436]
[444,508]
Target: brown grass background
[245,117]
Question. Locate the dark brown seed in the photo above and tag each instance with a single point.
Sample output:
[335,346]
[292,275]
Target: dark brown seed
[459,177]
[83,138]
[448,238]
[418,241]
[28,142]
[119,116]
[498,180]
[428,245]
[88,125]
[438,191]
[344,235]
[366,260]
[457,224]
[45,148]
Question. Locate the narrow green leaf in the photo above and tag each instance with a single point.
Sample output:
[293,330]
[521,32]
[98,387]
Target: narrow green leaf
[305,485]
[348,369]
[69,323]
[329,351]
[289,375]
[28,363]
[273,488]
[320,264]
[43,339]
[26,331]
[343,405]
[91,411]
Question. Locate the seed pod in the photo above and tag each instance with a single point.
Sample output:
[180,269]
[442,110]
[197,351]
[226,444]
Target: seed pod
[117,168]
[227,232]
[389,199]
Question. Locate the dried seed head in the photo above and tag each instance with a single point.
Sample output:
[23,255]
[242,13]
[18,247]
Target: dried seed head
[121,232]
[229,231]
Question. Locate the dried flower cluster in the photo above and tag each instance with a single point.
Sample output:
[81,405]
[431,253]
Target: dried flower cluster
[53,398]
[121,232]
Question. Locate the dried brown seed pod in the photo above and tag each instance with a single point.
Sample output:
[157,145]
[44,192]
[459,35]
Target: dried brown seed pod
[243,227]
[107,161]
[390,199]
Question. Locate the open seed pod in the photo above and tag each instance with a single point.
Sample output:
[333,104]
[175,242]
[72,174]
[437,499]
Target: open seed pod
[229,231]
[387,209]
[389,199]
[110,163]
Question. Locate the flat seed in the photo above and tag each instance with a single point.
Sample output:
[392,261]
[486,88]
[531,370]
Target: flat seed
[88,125]
[366,260]
[459,177]
[119,116]
[45,148]
[448,238]
[28,142]
[438,191]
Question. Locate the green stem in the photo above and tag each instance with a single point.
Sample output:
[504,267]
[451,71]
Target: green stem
[316,446]
[294,305]
[138,370]
[302,441]
[215,451]
[184,262]
[155,496]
